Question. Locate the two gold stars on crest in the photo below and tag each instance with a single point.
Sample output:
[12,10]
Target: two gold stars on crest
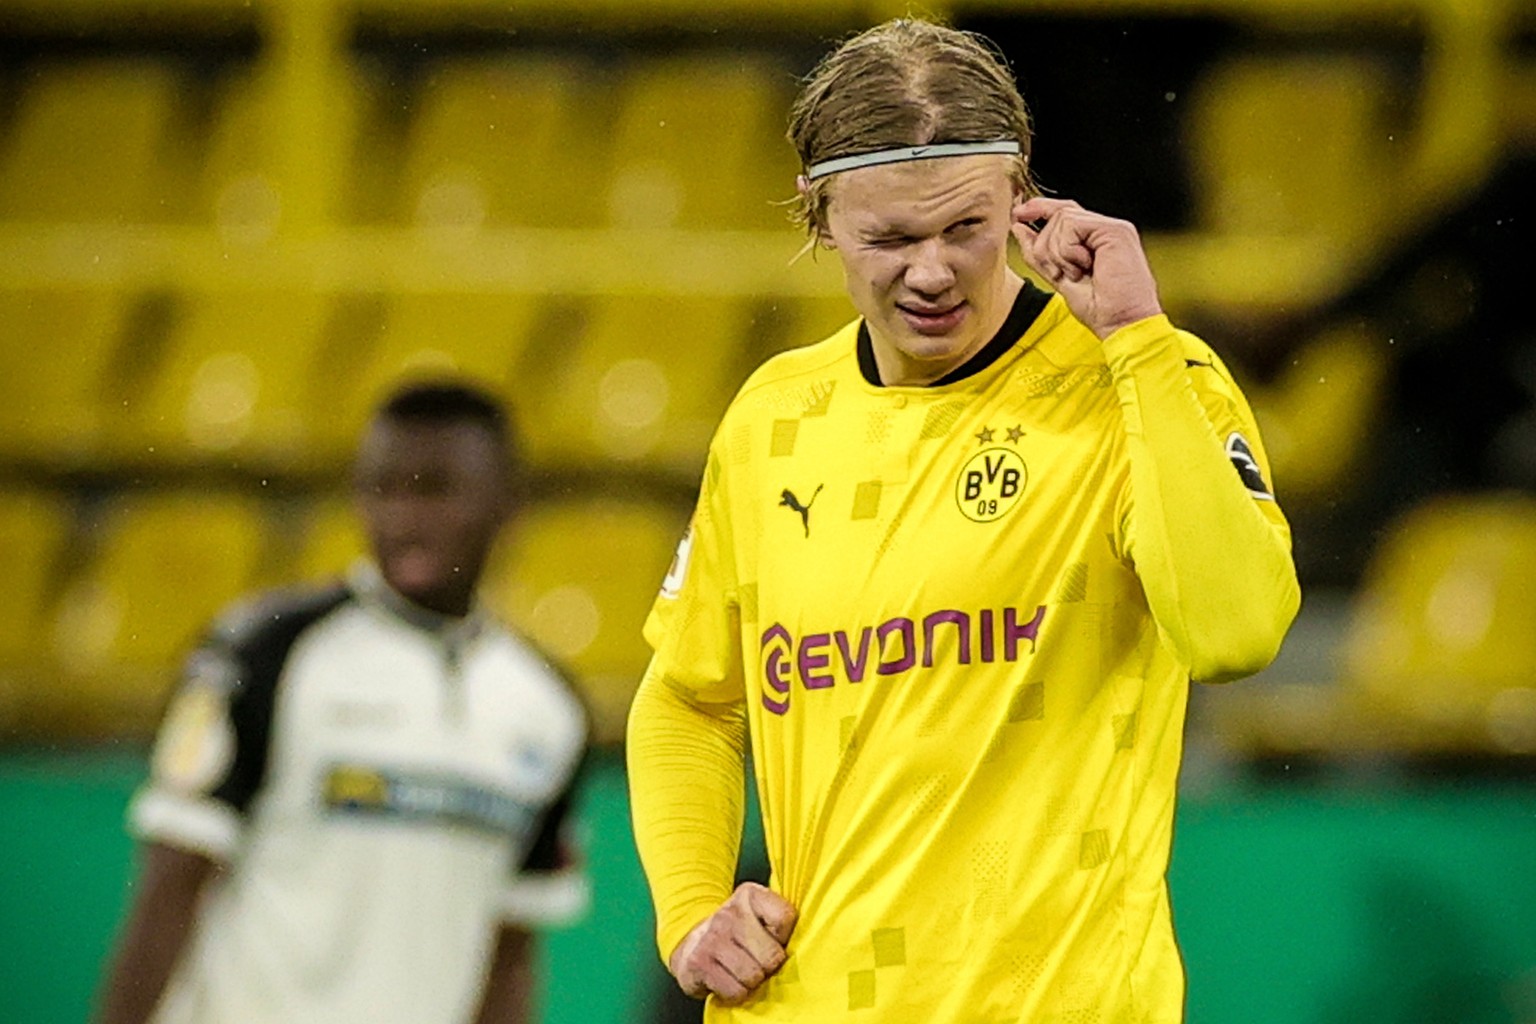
[984,435]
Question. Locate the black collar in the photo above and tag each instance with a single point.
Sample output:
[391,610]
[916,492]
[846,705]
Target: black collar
[1026,308]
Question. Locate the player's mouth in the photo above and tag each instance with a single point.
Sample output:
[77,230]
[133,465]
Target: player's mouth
[930,320]
[414,570]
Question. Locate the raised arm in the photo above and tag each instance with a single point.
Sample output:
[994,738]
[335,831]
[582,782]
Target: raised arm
[1209,543]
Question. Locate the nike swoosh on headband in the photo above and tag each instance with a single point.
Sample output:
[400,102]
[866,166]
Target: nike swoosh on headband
[903,154]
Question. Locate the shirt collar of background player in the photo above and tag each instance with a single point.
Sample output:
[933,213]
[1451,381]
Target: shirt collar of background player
[374,591]
[1029,304]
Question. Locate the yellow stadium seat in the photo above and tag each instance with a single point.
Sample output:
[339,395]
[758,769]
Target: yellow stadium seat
[700,144]
[479,338]
[166,565]
[333,540]
[506,141]
[1444,636]
[584,602]
[1292,144]
[242,185]
[93,140]
[56,371]
[34,528]
[645,382]
[778,323]
[1316,417]
[816,318]
[813,319]
[240,375]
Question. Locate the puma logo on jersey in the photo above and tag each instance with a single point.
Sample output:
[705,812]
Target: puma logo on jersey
[788,500]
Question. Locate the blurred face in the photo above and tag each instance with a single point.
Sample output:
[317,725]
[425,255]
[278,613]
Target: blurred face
[433,498]
[924,246]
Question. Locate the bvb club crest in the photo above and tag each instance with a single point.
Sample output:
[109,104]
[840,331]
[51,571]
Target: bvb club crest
[990,484]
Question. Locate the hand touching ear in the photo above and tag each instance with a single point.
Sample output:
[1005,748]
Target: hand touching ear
[1095,262]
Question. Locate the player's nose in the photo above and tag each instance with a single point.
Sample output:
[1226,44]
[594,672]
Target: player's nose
[929,273]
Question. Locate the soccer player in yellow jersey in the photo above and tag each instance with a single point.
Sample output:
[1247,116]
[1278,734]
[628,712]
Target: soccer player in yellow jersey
[951,572]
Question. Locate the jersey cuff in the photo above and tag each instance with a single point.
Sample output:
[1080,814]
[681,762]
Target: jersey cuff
[196,824]
[547,898]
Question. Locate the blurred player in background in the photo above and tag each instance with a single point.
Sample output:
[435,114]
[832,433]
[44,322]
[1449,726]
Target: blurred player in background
[951,570]
[356,800]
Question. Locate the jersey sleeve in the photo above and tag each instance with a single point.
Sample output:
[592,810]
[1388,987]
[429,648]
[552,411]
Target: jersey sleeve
[210,756]
[550,885]
[1199,519]
[687,726]
[693,626]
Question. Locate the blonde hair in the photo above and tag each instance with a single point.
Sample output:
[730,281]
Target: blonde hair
[904,83]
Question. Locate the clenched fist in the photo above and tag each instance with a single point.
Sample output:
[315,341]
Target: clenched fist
[737,948]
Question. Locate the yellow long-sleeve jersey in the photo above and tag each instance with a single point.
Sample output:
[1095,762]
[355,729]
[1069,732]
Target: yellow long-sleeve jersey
[958,623]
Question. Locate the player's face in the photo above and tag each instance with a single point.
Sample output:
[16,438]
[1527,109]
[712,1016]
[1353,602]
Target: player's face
[924,246]
[432,497]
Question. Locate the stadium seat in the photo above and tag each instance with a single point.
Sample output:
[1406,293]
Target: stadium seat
[777,323]
[93,140]
[1316,416]
[644,382]
[482,338]
[165,565]
[816,318]
[243,186]
[584,602]
[1442,638]
[333,539]
[699,144]
[1292,144]
[238,189]
[239,375]
[54,408]
[34,530]
[506,142]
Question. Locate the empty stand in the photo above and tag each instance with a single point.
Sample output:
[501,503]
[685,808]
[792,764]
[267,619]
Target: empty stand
[93,140]
[1316,417]
[1292,144]
[333,540]
[643,381]
[239,188]
[261,172]
[165,564]
[579,578]
[699,143]
[57,352]
[481,338]
[1442,638]
[777,323]
[34,529]
[508,141]
[238,375]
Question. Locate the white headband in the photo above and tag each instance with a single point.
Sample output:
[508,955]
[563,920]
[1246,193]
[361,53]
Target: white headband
[905,153]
